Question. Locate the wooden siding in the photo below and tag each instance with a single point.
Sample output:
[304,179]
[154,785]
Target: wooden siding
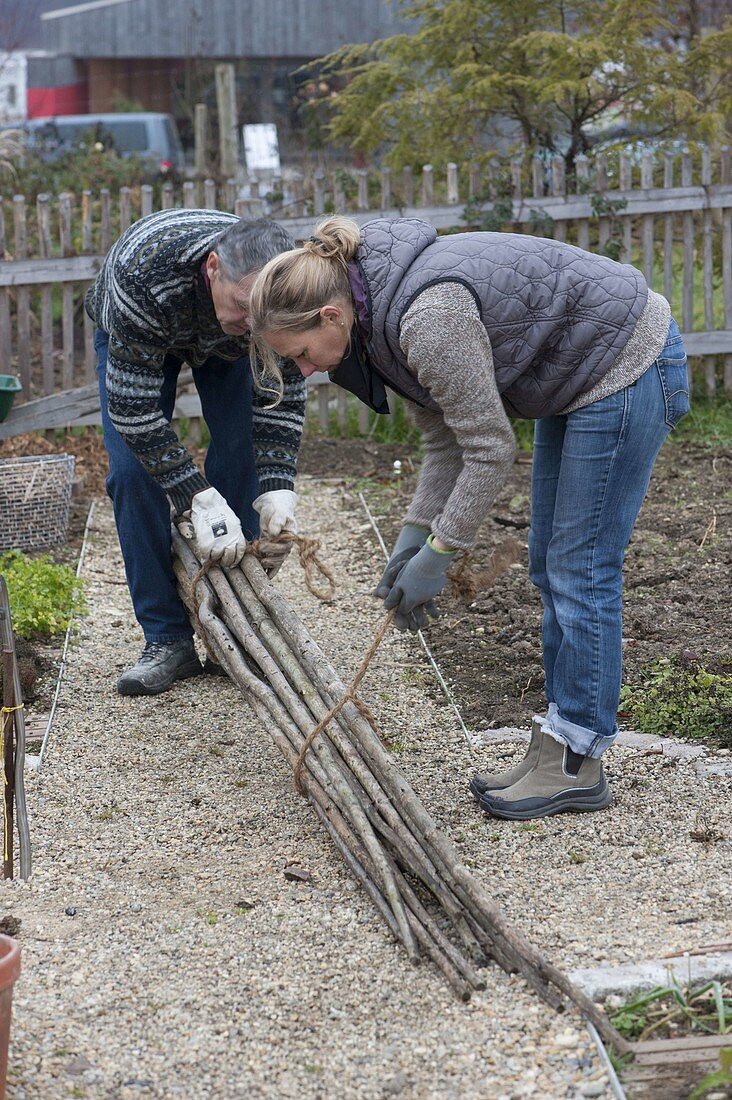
[219,28]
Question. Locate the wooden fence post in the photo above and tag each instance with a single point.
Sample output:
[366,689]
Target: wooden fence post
[23,295]
[209,194]
[6,339]
[44,251]
[453,195]
[43,217]
[146,199]
[647,229]
[87,223]
[363,189]
[226,107]
[200,139]
[710,361]
[125,209]
[625,174]
[408,186]
[582,170]
[726,178]
[67,295]
[668,233]
[559,188]
[687,220]
[106,220]
[428,185]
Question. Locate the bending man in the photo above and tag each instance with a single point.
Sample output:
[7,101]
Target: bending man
[174,288]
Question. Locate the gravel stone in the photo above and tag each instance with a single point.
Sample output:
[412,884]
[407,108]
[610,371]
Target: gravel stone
[194,969]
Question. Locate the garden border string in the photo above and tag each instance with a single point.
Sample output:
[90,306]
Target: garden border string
[35,762]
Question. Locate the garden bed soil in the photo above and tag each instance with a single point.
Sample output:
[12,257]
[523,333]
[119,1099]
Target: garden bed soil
[677,598]
[677,593]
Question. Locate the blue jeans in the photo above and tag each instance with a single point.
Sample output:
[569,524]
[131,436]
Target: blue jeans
[141,508]
[591,471]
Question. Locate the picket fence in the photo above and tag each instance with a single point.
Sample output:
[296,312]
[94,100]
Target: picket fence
[670,215]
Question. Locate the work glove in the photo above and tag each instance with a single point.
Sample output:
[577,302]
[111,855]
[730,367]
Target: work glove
[414,590]
[276,512]
[410,540]
[272,555]
[217,528]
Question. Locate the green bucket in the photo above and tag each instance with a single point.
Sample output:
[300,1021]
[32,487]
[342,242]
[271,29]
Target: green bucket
[9,386]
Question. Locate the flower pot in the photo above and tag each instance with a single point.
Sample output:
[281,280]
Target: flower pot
[9,971]
[9,386]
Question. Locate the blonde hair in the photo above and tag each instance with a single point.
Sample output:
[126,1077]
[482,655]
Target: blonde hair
[291,289]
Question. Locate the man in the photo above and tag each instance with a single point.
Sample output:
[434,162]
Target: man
[175,288]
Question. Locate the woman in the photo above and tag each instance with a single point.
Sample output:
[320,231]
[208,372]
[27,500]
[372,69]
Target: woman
[473,328]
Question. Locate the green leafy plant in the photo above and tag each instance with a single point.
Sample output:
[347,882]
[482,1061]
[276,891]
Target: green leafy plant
[669,1010]
[44,596]
[676,696]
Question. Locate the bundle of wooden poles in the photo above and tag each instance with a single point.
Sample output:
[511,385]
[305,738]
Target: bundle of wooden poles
[409,868]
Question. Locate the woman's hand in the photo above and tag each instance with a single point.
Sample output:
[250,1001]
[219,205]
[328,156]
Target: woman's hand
[410,539]
[414,590]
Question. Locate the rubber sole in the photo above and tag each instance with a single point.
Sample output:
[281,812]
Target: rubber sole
[562,805]
[187,672]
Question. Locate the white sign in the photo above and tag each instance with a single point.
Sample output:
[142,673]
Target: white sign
[261,150]
[13,69]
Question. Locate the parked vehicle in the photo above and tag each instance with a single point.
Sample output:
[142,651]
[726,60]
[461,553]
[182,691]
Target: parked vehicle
[151,136]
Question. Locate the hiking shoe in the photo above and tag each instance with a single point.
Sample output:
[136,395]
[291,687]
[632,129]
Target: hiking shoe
[489,781]
[159,666]
[561,781]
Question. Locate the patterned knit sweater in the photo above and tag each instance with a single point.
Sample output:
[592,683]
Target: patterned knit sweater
[152,299]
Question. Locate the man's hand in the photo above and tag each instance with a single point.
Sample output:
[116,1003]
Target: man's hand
[217,528]
[410,540]
[273,555]
[416,586]
[276,512]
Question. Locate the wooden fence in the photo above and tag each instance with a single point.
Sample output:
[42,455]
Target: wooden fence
[671,216]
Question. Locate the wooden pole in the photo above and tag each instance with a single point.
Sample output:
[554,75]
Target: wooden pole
[200,140]
[226,106]
[9,702]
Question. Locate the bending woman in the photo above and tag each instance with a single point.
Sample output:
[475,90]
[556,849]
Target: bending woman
[473,328]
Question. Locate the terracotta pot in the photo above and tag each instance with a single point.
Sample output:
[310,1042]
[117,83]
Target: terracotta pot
[9,971]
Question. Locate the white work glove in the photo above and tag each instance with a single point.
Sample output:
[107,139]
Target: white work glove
[217,528]
[272,555]
[276,512]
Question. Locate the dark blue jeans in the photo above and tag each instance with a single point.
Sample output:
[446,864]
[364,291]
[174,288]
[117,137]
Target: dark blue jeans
[141,508]
[590,474]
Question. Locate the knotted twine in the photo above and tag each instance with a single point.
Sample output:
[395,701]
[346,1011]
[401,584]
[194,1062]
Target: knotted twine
[307,550]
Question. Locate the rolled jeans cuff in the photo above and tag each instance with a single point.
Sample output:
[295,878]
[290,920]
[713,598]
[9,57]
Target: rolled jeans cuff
[579,738]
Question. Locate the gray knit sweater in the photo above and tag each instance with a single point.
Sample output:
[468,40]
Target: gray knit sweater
[469,445]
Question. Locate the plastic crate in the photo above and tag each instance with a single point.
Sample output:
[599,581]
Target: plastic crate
[35,494]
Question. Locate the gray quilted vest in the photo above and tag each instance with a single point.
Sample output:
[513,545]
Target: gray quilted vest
[557,317]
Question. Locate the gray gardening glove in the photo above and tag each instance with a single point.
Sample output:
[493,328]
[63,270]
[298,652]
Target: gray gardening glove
[414,590]
[410,540]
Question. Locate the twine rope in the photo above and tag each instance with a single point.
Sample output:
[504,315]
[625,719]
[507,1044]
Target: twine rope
[349,697]
[312,565]
[7,720]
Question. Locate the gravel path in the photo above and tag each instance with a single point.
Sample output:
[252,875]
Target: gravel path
[165,954]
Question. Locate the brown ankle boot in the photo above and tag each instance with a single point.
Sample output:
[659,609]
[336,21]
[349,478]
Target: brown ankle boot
[560,781]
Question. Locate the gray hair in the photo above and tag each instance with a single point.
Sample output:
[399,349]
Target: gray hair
[248,245]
